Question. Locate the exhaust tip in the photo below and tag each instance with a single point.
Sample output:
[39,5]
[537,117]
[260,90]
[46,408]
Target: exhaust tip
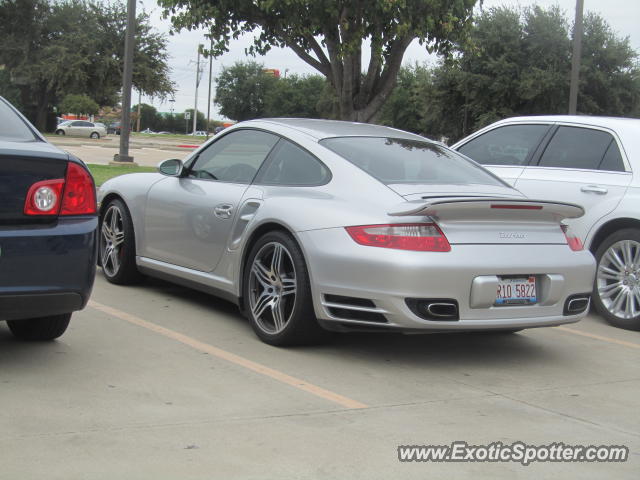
[436,309]
[576,304]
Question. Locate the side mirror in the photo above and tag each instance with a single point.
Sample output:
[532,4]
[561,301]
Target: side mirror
[171,168]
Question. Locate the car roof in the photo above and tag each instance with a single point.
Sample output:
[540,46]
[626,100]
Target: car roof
[320,129]
[607,122]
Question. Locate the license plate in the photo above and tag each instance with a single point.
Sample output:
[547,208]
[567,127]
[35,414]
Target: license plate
[516,291]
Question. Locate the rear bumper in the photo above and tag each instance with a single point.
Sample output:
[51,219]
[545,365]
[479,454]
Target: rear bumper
[47,270]
[387,278]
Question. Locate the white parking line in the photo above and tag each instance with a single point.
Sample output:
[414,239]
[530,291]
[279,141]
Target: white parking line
[232,358]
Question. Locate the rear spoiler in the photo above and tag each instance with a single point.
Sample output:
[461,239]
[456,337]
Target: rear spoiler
[483,208]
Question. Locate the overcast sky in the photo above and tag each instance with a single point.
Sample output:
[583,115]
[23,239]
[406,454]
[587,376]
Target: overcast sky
[622,15]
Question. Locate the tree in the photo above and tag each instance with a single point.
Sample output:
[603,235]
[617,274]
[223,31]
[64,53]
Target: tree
[201,121]
[7,90]
[296,96]
[517,62]
[149,116]
[241,90]
[330,36]
[52,49]
[79,105]
[404,108]
[609,76]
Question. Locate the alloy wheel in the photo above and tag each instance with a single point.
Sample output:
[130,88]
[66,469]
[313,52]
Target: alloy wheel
[618,279]
[111,240]
[272,288]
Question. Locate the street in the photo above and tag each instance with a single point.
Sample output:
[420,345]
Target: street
[158,381]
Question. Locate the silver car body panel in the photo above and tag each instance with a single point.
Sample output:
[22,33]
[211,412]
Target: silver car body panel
[179,236]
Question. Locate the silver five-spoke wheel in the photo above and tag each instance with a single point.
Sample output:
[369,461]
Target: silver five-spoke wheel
[618,279]
[111,239]
[272,288]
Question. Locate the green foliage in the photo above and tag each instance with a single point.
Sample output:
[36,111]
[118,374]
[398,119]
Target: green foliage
[79,105]
[329,35]
[149,116]
[242,89]
[517,62]
[295,96]
[404,108]
[7,90]
[55,48]
[610,74]
[201,121]
[245,91]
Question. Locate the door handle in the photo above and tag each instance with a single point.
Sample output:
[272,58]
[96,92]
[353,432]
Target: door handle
[594,189]
[223,210]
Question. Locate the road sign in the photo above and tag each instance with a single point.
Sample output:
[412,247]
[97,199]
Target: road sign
[187,115]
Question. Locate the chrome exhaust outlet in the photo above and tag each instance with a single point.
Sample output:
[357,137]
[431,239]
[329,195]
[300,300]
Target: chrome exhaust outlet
[443,310]
[576,304]
[436,309]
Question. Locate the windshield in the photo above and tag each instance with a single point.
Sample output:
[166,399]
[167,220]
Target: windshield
[399,160]
[12,126]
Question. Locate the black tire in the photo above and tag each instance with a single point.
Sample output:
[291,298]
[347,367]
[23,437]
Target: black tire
[94,135]
[600,302]
[60,132]
[301,326]
[40,329]
[118,263]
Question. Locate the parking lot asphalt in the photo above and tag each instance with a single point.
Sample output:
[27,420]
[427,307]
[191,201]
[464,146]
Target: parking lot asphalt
[157,381]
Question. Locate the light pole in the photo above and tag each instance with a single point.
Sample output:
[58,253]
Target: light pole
[125,124]
[575,59]
[171,105]
[195,106]
[209,94]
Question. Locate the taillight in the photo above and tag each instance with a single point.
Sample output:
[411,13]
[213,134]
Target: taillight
[574,242]
[43,198]
[73,195]
[79,193]
[424,237]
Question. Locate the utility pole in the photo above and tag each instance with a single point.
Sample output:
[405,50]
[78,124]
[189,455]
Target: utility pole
[575,59]
[195,107]
[209,94]
[125,125]
[139,110]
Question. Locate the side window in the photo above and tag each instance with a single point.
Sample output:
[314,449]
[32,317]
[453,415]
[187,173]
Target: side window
[236,157]
[77,123]
[291,165]
[575,147]
[612,160]
[87,124]
[509,145]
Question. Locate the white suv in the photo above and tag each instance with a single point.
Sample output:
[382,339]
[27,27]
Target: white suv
[590,161]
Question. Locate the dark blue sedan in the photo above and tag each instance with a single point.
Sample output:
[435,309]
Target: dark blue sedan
[48,226]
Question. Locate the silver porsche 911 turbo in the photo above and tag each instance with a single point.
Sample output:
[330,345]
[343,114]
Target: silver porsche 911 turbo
[313,226]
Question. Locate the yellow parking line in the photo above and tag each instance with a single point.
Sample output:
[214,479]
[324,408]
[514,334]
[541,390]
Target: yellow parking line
[231,357]
[599,337]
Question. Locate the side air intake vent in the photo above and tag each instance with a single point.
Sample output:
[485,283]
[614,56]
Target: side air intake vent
[353,308]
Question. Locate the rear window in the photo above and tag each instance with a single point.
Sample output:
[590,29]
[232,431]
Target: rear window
[398,160]
[12,127]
